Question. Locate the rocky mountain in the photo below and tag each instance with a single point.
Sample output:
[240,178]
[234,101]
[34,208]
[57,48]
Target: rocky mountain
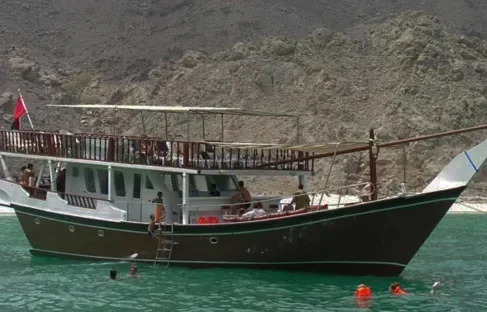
[407,75]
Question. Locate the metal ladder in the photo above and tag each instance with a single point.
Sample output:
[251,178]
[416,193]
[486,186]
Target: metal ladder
[165,245]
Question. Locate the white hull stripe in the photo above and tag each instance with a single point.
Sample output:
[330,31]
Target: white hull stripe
[321,220]
[221,262]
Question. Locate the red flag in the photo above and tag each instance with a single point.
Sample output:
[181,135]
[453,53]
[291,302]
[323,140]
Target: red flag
[19,111]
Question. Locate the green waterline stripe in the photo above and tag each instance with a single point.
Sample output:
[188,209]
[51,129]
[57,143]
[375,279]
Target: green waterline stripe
[323,219]
[222,262]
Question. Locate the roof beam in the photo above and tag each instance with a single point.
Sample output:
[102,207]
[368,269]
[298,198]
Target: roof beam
[177,109]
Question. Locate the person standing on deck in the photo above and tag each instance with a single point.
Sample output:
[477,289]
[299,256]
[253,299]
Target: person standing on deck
[159,211]
[300,199]
[243,196]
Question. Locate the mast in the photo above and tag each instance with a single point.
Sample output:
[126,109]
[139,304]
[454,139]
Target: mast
[373,153]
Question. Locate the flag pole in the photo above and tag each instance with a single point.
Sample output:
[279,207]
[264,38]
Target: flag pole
[26,111]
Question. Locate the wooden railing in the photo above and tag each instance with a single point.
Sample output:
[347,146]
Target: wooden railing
[150,151]
[36,192]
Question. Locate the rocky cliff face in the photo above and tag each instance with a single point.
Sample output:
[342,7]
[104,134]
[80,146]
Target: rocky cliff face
[409,75]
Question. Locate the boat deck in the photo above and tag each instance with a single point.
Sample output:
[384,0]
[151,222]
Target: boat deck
[151,151]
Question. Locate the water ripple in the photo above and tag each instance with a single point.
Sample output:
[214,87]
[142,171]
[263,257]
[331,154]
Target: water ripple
[452,255]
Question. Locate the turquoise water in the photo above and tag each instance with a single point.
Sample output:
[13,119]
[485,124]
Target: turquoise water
[455,255]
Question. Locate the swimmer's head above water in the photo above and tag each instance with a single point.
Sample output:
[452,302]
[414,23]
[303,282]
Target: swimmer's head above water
[113,274]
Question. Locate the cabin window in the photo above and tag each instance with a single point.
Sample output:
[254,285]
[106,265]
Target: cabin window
[148,183]
[200,183]
[223,182]
[167,180]
[103,181]
[90,180]
[171,181]
[75,172]
[119,184]
[137,182]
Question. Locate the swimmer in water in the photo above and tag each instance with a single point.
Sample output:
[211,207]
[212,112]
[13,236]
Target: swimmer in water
[395,289]
[363,294]
[434,287]
[133,271]
[363,291]
[113,274]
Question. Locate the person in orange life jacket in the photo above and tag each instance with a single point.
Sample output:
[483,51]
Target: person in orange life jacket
[363,292]
[159,209]
[395,290]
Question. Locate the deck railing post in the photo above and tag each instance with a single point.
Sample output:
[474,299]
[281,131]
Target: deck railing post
[185,155]
[110,181]
[52,175]
[185,198]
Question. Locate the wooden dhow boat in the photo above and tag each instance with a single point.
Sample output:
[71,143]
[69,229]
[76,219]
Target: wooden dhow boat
[98,207]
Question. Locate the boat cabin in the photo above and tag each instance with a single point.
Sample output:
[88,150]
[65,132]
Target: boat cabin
[133,191]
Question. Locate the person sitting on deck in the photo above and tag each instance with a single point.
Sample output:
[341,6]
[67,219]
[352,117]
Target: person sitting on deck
[300,199]
[214,190]
[243,196]
[27,174]
[395,289]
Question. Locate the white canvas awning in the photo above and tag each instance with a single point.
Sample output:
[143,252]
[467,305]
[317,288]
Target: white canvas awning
[178,109]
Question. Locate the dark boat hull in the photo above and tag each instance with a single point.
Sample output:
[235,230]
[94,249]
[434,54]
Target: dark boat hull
[376,238]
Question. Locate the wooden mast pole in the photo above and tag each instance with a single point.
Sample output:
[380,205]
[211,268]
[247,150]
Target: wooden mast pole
[373,152]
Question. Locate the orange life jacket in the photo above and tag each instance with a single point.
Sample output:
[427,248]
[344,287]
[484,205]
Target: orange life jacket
[363,293]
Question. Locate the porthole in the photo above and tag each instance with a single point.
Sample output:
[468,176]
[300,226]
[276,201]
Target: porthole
[37,221]
[71,228]
[213,240]
[101,233]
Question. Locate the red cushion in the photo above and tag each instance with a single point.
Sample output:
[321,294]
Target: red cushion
[212,220]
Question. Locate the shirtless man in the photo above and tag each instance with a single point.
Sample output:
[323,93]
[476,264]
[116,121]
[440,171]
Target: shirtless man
[28,173]
[243,196]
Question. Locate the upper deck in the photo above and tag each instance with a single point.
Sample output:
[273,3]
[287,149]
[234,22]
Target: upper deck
[152,153]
